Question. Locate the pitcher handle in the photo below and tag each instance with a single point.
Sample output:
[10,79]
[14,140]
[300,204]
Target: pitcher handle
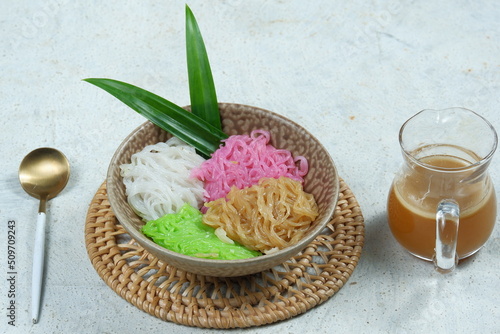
[447,221]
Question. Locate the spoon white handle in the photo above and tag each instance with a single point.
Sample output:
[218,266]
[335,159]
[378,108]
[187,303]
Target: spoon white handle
[38,262]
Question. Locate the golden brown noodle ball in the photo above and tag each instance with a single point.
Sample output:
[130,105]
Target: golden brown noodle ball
[271,215]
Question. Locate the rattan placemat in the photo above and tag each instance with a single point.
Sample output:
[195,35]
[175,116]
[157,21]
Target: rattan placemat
[280,293]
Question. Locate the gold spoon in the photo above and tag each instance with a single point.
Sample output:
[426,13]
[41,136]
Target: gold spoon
[43,173]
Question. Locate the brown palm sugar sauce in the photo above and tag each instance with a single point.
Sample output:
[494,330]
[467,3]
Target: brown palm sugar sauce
[412,208]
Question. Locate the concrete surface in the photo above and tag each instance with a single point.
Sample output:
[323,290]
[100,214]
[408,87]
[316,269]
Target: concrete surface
[351,72]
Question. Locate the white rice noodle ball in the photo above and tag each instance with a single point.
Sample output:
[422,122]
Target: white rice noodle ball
[158,181]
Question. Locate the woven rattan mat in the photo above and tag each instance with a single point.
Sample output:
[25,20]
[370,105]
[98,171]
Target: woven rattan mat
[280,293]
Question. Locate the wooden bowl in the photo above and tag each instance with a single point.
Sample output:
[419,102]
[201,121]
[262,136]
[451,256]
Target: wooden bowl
[322,181]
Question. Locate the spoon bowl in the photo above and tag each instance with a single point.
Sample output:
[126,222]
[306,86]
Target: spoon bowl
[43,174]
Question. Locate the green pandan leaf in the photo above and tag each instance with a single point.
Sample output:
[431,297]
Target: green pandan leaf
[179,122]
[201,83]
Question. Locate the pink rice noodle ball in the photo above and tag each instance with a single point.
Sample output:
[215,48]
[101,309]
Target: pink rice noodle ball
[242,160]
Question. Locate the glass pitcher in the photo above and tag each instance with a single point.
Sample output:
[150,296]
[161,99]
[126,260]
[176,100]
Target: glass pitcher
[442,204]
